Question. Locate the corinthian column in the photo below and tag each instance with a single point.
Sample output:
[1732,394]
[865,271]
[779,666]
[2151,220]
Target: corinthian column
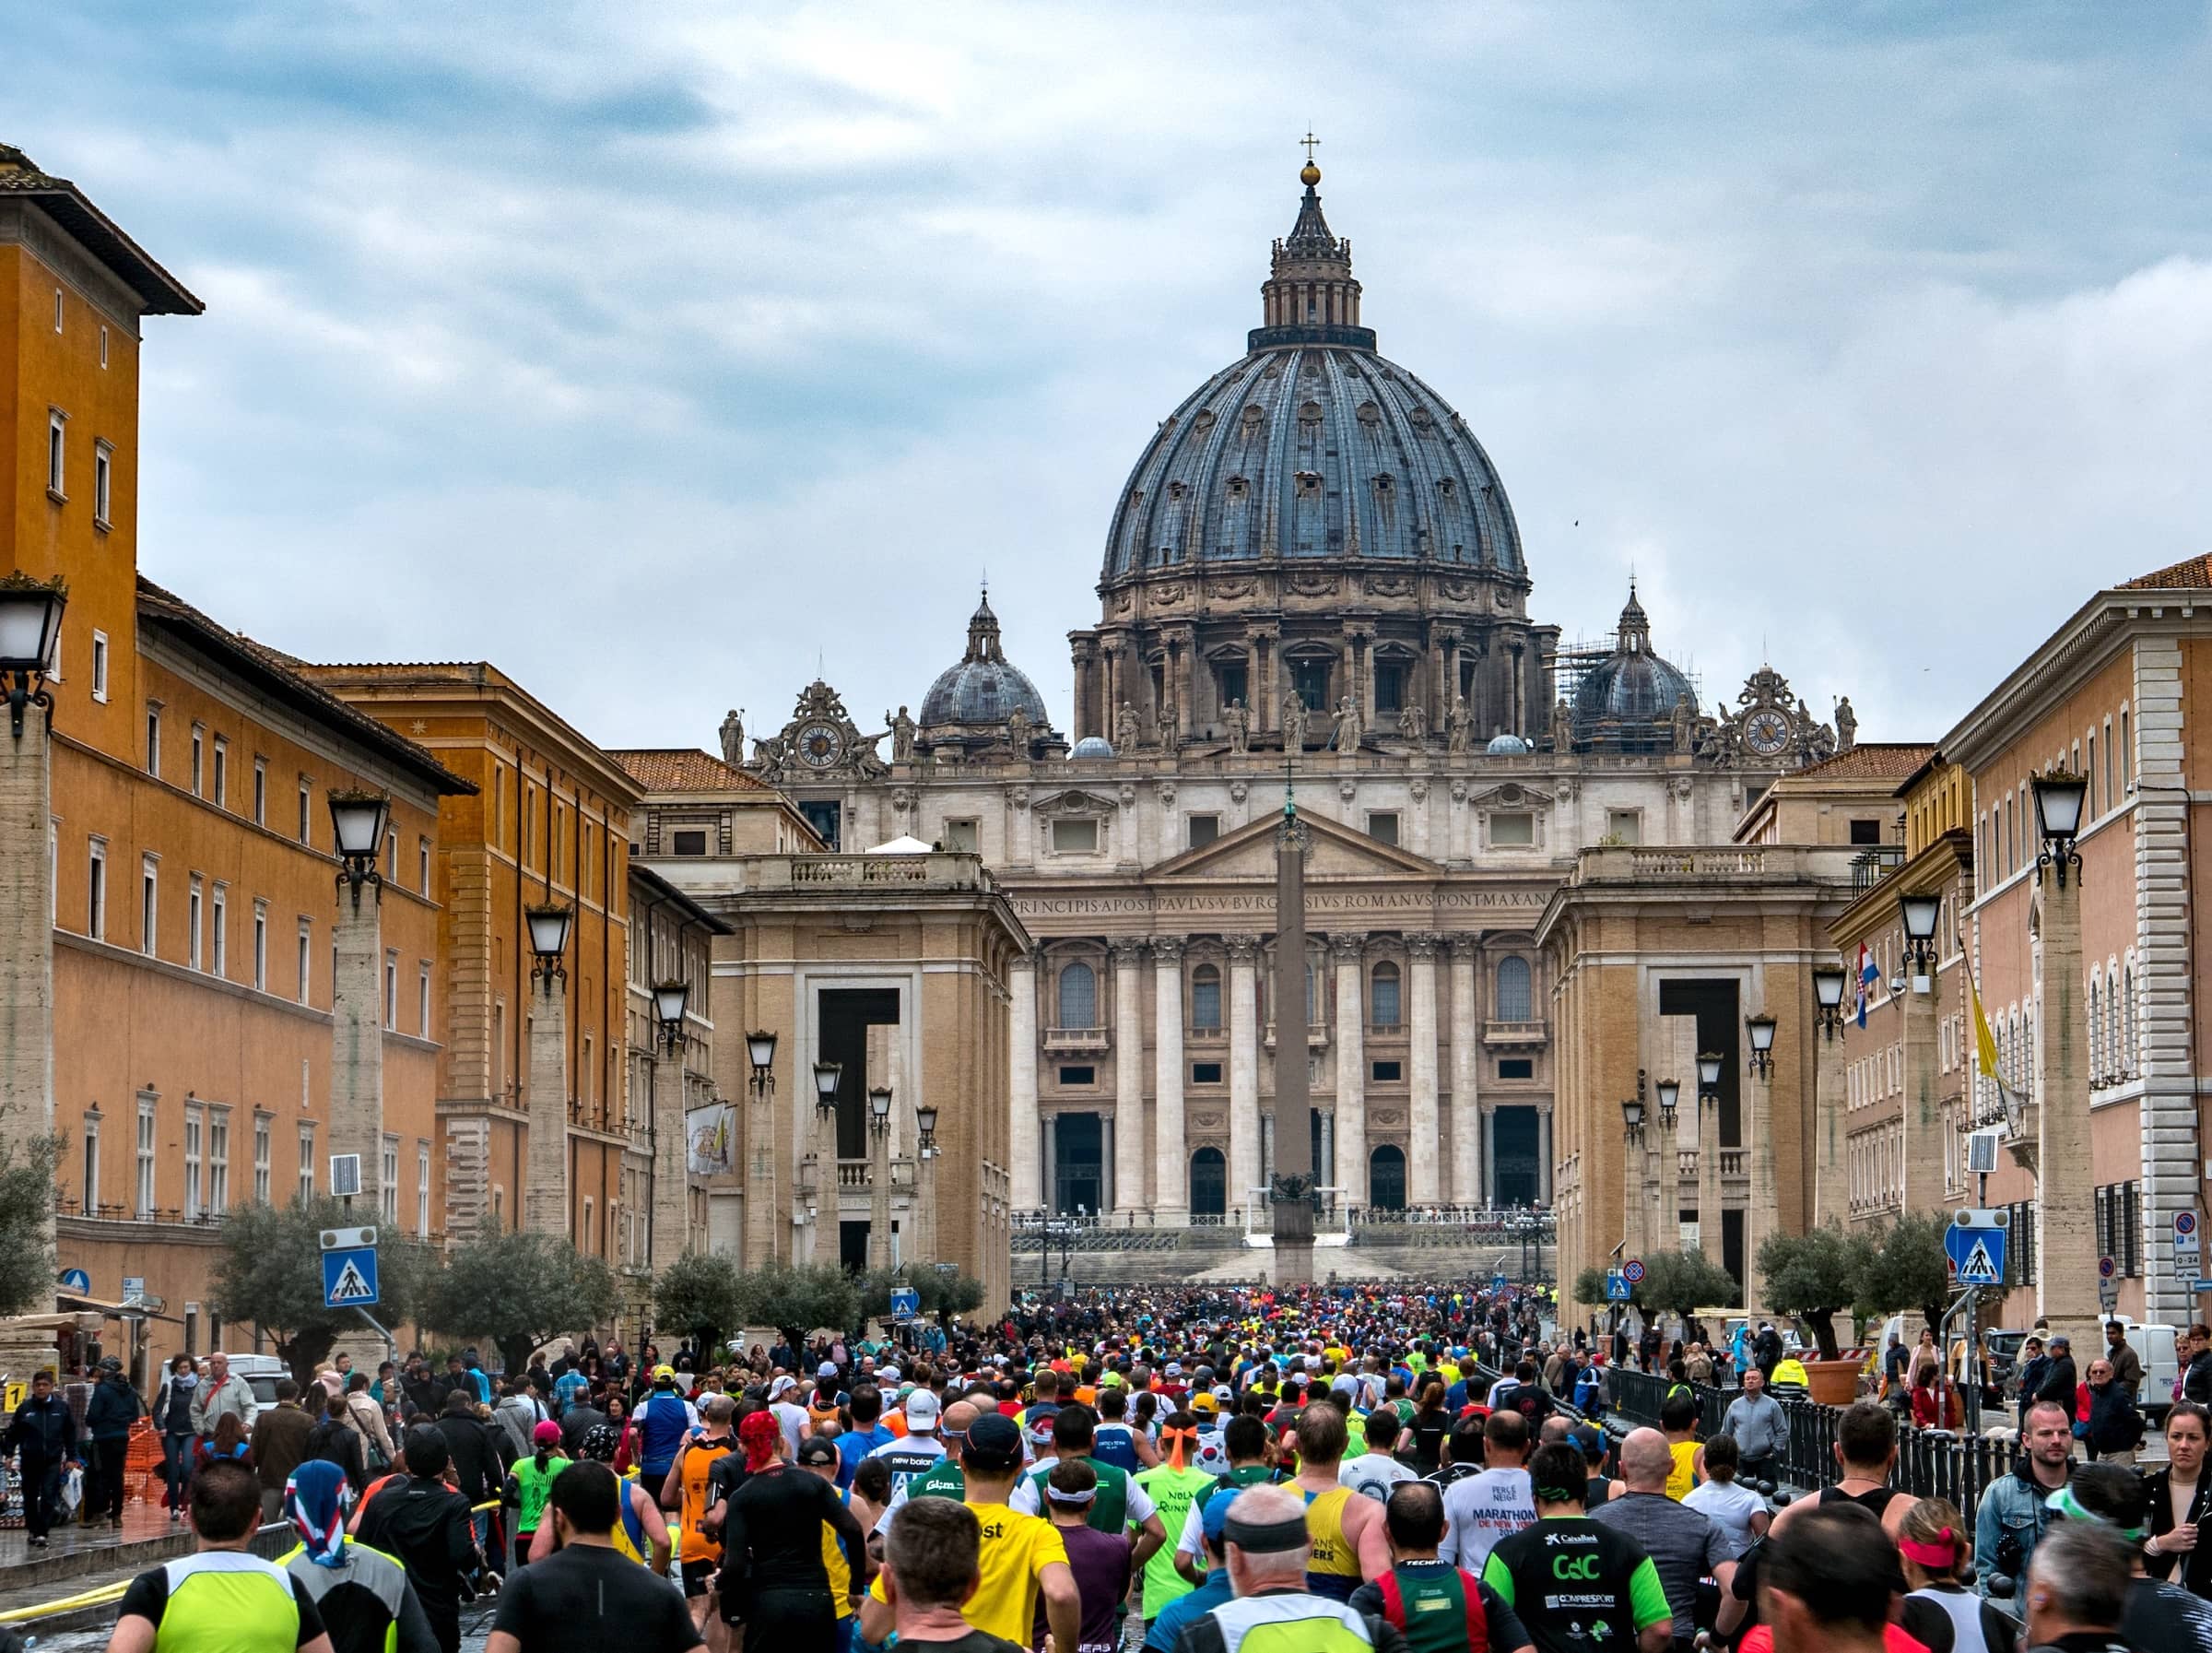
[1021,1071]
[1351,1068]
[1467,1122]
[1128,1077]
[1425,1147]
[1170,1169]
[1243,1071]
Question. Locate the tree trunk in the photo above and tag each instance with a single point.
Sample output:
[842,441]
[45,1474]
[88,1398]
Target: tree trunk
[1822,1321]
[303,1351]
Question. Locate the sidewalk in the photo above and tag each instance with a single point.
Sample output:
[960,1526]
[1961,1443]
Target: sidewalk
[74,1554]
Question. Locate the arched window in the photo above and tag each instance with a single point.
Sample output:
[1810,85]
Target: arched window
[1382,998]
[2096,1033]
[1078,995]
[1386,1178]
[1512,989]
[1209,1184]
[2115,1057]
[1206,999]
[2127,1013]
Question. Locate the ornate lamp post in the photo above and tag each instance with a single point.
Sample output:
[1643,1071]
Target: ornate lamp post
[1710,1064]
[1831,1185]
[880,1178]
[30,626]
[829,1199]
[1632,1198]
[545,1202]
[925,1185]
[2064,1240]
[1759,1209]
[359,821]
[1666,1224]
[1918,914]
[1761,1030]
[670,999]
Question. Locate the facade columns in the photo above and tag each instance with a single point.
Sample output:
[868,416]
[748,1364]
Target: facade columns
[1488,1168]
[546,1201]
[1021,1039]
[1466,1129]
[671,1212]
[1128,1075]
[879,1193]
[2065,1239]
[1922,1110]
[27,912]
[1171,1163]
[1760,1208]
[1544,1155]
[1425,1142]
[357,1055]
[1831,1176]
[1709,1177]
[1243,1069]
[1183,659]
[1351,1068]
[828,1200]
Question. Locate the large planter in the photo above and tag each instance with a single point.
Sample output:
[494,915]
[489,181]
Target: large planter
[1833,1382]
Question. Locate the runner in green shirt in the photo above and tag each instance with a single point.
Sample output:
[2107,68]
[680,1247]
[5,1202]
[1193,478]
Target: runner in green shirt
[1578,1586]
[1178,1488]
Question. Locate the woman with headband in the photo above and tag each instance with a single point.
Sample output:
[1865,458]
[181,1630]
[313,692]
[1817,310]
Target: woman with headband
[1935,1548]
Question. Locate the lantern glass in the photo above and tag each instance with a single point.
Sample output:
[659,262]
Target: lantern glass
[1709,1070]
[669,999]
[1761,1029]
[1631,1113]
[31,624]
[826,1077]
[356,823]
[1918,914]
[1827,985]
[926,1119]
[2058,800]
[879,1102]
[550,929]
[761,1048]
[1670,1092]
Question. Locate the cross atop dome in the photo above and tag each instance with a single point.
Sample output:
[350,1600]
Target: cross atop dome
[1310,295]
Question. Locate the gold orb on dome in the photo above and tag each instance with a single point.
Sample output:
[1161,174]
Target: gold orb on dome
[1309,174]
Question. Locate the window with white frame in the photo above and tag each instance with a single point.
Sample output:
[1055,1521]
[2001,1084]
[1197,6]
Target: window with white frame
[391,858]
[222,773]
[219,920]
[153,738]
[261,947]
[199,760]
[219,1161]
[307,942]
[96,891]
[104,347]
[91,1165]
[194,903]
[260,792]
[143,1204]
[57,448]
[388,1194]
[307,1161]
[149,903]
[422,998]
[196,1127]
[392,992]
[104,483]
[99,666]
[307,793]
[262,1133]
[422,866]
[422,1189]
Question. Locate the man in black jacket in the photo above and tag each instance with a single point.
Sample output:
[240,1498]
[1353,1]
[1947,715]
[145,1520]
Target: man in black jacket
[424,1525]
[108,1414]
[44,1437]
[472,1448]
[2060,1381]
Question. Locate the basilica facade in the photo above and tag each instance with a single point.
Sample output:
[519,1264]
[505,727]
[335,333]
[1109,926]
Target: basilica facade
[1314,580]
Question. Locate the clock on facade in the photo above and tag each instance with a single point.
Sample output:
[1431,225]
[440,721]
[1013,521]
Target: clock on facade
[821,745]
[1767,732]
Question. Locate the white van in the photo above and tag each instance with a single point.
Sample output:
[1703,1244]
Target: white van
[261,1373]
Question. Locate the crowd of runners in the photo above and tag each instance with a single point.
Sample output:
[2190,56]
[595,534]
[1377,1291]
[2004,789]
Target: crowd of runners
[1191,1470]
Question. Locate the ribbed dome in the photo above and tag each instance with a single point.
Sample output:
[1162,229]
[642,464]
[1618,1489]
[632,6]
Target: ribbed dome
[1633,685]
[982,688]
[1314,451]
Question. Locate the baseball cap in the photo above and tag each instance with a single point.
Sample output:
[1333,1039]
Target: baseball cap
[660,1371]
[920,1409]
[817,1449]
[827,1369]
[888,1375]
[1174,1368]
[548,1432]
[1224,1394]
[1206,1404]
[1213,1521]
[993,1443]
[782,1386]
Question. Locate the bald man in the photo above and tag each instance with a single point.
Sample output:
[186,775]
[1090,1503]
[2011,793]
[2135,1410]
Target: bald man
[1684,1544]
[1267,1550]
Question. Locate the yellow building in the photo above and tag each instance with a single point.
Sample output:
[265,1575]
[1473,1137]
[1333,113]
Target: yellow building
[190,888]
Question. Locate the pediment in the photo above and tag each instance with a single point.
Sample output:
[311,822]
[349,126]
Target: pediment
[1074,801]
[1512,795]
[1337,852]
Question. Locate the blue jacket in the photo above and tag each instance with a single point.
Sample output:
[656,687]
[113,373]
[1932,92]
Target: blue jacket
[2012,1506]
[113,1409]
[663,1421]
[1164,1630]
[42,1431]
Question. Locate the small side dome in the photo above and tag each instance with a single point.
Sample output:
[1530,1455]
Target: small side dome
[982,688]
[1507,746]
[1090,746]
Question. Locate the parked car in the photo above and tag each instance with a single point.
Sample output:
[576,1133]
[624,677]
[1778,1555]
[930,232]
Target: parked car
[261,1373]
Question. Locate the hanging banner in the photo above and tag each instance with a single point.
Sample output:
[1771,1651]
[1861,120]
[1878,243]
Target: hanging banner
[710,1140]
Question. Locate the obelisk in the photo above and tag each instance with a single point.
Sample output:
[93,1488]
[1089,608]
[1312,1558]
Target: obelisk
[1291,1190]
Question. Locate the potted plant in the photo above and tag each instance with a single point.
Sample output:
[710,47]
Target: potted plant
[1816,1275]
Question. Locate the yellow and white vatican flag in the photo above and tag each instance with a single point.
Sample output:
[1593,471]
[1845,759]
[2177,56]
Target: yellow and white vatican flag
[1985,1060]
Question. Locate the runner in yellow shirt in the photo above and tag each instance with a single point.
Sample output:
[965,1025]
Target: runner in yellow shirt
[1021,1556]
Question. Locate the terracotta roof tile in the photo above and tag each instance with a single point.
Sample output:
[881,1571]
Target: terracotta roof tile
[160,293]
[1871,760]
[2192,574]
[685,769]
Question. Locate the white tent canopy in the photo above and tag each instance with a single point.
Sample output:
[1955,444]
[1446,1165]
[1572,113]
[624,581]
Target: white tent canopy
[906,843]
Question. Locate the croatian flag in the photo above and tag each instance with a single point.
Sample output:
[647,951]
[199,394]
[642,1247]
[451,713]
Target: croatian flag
[1870,978]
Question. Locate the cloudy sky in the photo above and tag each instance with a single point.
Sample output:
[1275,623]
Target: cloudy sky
[654,352]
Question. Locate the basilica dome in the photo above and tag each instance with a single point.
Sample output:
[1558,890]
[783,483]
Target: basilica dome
[1313,446]
[982,688]
[1623,696]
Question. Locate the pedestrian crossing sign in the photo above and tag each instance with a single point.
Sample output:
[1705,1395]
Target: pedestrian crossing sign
[1977,1254]
[349,1278]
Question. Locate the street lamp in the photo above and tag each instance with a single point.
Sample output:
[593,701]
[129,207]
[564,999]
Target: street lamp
[2059,796]
[31,625]
[550,926]
[1827,999]
[1919,914]
[880,1109]
[356,827]
[1761,1029]
[1670,1092]
[925,1123]
[1632,1119]
[1709,1075]
[669,1000]
[760,1048]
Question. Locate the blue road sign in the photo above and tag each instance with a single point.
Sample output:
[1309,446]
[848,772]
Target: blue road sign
[76,1280]
[349,1278]
[1978,1255]
[906,1303]
[1497,1282]
[1617,1289]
